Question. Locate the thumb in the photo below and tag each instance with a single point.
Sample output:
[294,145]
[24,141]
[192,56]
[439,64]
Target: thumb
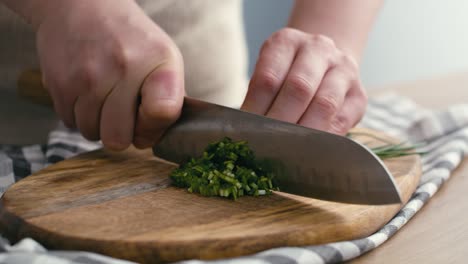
[162,96]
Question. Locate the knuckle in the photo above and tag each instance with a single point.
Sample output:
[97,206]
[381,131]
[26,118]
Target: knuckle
[170,52]
[327,105]
[268,44]
[89,74]
[345,76]
[322,41]
[162,47]
[323,45]
[299,87]
[340,125]
[267,82]
[157,41]
[349,66]
[349,60]
[124,57]
[284,35]
[281,35]
[166,53]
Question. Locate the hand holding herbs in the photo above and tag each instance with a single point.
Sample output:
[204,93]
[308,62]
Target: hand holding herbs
[227,169]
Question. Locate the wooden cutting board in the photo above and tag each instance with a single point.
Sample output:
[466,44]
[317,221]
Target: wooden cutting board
[122,205]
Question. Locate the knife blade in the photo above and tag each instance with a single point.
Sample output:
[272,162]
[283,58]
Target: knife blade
[306,161]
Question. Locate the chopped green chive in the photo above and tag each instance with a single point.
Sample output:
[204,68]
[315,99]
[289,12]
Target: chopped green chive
[226,169]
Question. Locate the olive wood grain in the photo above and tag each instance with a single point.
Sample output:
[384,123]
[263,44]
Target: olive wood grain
[122,205]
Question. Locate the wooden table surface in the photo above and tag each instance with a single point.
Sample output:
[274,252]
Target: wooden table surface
[439,232]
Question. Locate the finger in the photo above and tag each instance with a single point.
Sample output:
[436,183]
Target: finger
[88,106]
[162,96]
[328,100]
[81,80]
[351,112]
[87,115]
[300,85]
[118,115]
[63,98]
[88,110]
[56,81]
[275,59]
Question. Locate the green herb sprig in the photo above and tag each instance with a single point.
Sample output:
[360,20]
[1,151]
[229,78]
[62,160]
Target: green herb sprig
[227,169]
[392,150]
[397,150]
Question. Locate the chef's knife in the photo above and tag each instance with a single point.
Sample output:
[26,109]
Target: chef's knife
[305,161]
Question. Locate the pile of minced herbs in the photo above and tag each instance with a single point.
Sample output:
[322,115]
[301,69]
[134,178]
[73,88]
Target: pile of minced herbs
[227,169]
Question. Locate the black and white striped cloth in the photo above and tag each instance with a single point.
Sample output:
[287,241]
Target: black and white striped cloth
[446,133]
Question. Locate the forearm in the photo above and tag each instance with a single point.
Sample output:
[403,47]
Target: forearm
[346,22]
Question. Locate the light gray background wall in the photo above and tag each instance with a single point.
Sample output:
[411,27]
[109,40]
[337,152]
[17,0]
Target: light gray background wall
[411,39]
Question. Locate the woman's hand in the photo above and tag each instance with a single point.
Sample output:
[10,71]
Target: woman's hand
[112,72]
[305,79]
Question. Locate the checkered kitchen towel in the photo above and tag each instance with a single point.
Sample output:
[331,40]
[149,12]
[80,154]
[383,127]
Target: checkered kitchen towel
[446,133]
